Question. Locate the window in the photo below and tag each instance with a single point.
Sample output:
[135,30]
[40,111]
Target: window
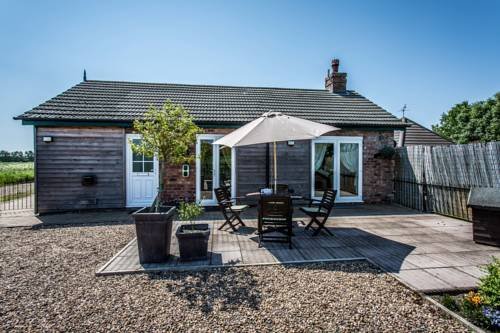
[140,162]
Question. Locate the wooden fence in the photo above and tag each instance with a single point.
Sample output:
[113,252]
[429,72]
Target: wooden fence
[438,178]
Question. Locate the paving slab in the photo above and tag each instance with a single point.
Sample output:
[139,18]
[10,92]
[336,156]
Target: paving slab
[453,277]
[315,253]
[423,281]
[474,271]
[425,261]
[27,221]
[220,246]
[226,258]
[288,255]
[258,256]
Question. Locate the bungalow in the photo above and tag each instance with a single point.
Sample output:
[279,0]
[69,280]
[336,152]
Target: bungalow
[84,159]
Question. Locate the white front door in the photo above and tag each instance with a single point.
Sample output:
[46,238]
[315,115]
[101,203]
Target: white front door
[142,176]
[215,166]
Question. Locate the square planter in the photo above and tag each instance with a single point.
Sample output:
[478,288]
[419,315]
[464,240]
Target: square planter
[193,244]
[154,233]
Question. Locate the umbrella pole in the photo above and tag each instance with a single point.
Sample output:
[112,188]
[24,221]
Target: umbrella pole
[275,170]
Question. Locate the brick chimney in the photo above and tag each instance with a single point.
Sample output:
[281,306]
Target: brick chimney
[336,82]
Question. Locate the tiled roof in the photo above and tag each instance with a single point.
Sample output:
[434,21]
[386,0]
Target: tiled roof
[126,101]
[417,134]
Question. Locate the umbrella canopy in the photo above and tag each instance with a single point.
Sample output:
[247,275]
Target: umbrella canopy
[274,127]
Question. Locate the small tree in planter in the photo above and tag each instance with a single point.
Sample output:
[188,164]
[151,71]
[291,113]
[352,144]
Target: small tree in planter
[167,133]
[192,238]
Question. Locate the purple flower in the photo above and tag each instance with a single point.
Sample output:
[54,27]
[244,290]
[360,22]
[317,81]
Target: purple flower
[492,315]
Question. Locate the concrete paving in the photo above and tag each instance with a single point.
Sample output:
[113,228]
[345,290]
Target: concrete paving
[428,252]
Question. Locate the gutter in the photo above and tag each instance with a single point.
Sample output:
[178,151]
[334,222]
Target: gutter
[203,124]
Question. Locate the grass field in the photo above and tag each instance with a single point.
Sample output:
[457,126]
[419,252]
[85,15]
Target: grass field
[16,172]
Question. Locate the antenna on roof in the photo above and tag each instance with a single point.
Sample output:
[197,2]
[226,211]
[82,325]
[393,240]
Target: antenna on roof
[403,110]
[84,75]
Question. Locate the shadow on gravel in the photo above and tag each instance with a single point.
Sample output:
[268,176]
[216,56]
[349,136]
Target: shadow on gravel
[223,288]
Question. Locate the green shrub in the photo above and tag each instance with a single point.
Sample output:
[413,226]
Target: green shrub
[11,173]
[489,287]
[449,302]
[189,211]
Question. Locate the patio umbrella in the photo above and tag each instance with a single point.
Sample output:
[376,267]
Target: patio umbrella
[274,127]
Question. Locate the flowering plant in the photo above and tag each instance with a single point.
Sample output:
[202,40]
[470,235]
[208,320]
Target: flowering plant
[473,298]
[493,316]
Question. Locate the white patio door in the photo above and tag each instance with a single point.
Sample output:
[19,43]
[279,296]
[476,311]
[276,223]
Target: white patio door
[337,163]
[142,176]
[215,166]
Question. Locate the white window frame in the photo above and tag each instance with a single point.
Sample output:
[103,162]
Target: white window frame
[215,162]
[336,141]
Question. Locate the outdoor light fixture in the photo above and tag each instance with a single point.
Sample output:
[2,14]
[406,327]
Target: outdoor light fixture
[185,170]
[290,143]
[47,139]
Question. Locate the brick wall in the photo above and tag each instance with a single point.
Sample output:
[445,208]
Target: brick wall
[377,173]
[178,186]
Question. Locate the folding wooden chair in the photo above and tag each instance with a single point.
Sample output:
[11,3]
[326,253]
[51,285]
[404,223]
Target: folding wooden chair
[320,211]
[275,216]
[230,212]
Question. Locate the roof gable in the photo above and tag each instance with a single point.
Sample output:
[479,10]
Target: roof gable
[417,134]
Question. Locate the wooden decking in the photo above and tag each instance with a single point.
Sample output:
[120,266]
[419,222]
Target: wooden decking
[427,252]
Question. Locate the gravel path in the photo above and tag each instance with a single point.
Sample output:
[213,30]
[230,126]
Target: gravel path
[47,283]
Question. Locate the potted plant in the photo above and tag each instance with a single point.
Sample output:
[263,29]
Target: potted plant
[192,238]
[167,133]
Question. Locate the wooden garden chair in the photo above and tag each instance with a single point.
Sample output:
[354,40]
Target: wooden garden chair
[275,218]
[230,211]
[320,211]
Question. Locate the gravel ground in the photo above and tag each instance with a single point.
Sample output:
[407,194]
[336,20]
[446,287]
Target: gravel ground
[47,283]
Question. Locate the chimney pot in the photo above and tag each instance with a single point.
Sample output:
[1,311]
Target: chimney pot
[335,65]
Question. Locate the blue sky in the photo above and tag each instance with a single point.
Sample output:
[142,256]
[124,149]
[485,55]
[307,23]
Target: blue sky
[429,55]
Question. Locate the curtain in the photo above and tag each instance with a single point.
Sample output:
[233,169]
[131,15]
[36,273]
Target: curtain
[225,165]
[349,157]
[319,154]
[225,156]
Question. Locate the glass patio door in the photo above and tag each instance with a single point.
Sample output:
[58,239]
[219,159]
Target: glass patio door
[323,168]
[214,167]
[336,163]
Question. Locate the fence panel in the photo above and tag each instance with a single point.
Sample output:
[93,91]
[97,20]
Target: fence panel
[17,196]
[438,178]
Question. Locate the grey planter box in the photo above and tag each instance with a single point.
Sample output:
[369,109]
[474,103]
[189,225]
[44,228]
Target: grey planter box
[154,233]
[193,245]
